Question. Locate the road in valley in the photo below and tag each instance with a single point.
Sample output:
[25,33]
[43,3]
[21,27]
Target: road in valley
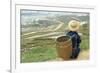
[48,34]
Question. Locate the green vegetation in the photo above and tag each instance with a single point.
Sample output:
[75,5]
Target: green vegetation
[39,54]
[43,50]
[85,37]
[84,44]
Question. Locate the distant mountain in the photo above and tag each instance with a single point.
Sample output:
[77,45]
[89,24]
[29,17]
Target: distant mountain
[40,21]
[67,18]
[28,16]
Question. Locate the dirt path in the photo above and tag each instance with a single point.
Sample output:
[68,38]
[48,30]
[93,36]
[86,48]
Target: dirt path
[29,33]
[84,55]
[59,26]
[52,33]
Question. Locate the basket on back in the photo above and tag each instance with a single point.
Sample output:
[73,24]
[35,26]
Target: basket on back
[64,47]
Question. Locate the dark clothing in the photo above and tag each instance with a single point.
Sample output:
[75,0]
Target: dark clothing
[76,40]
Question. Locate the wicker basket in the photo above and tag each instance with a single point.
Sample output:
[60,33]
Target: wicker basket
[64,47]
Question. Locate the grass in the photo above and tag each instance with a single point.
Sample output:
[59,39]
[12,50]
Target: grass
[84,44]
[39,54]
[44,49]
[85,38]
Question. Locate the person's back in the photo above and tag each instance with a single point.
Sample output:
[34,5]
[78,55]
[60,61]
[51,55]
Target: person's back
[74,26]
[75,43]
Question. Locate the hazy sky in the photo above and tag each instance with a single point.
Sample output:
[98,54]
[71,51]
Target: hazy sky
[39,13]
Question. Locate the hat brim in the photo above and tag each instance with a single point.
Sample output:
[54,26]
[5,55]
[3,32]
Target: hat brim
[74,28]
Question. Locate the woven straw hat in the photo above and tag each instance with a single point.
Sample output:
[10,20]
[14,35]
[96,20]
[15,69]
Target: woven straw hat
[74,25]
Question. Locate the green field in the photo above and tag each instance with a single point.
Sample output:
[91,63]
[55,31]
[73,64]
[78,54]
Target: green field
[42,50]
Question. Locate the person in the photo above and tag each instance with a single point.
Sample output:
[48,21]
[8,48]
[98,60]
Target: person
[73,27]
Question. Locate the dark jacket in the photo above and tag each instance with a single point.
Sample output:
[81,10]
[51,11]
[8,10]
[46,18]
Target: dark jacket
[76,40]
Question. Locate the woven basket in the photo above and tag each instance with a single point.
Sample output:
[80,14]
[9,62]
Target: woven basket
[64,47]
